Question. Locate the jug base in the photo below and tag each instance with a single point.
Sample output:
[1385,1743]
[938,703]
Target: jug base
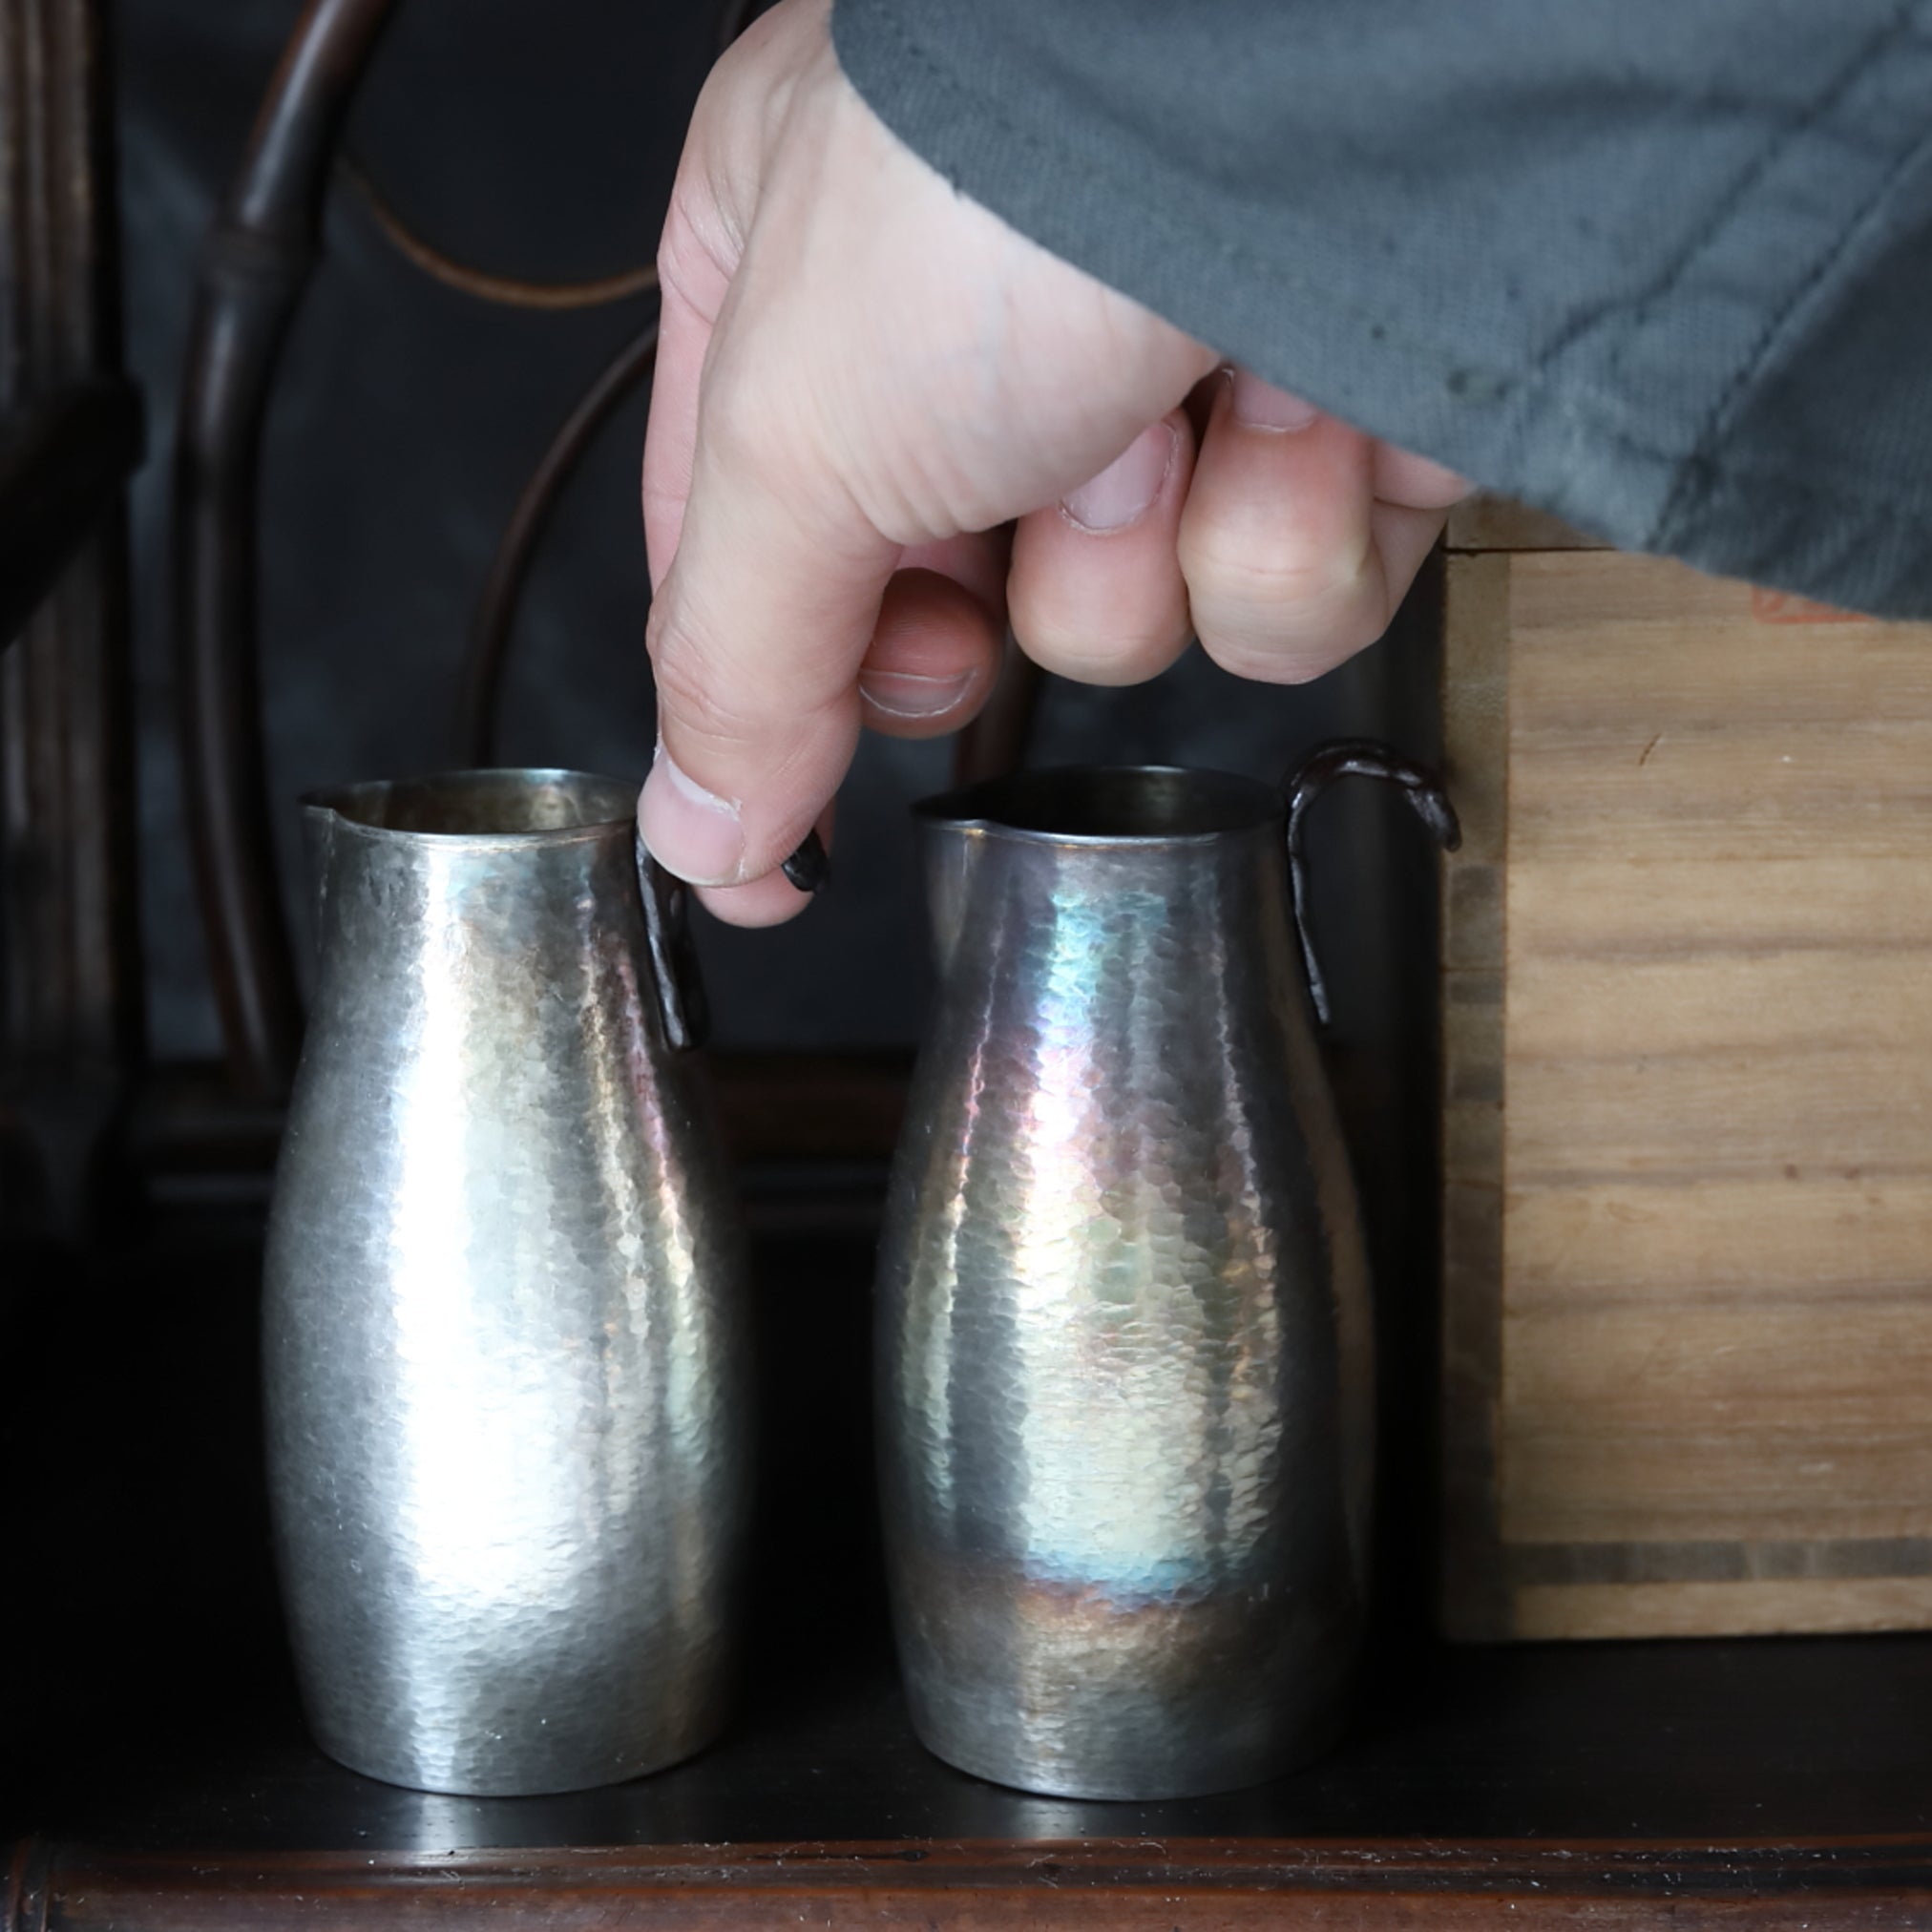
[1157,1776]
[554,1779]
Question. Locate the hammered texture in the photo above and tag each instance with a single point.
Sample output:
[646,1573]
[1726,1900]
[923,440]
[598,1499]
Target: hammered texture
[507,1381]
[1124,1343]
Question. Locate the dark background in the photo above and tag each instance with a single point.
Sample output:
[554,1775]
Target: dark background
[540,140]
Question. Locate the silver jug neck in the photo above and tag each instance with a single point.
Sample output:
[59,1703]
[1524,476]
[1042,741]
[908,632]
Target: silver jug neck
[493,809]
[1207,844]
[1130,809]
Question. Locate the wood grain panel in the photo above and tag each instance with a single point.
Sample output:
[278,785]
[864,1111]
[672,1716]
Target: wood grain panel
[1737,798]
[1717,1113]
[1731,1423]
[1836,998]
[1702,1306]
[1662,908]
[1849,1238]
[1750,1607]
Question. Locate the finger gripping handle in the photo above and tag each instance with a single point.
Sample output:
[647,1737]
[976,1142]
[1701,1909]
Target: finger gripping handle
[1353,758]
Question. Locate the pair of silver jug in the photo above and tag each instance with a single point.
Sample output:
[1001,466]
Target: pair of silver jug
[1123,1356]
[505,1329]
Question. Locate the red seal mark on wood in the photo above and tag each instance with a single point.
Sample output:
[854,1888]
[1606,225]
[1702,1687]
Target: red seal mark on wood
[1784,607]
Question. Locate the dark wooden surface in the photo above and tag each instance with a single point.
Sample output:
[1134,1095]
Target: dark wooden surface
[1782,1783]
[157,1773]
[1135,1884]
[70,957]
[63,463]
[1801,1743]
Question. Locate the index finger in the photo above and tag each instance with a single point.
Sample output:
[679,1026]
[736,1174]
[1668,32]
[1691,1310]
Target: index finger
[756,635]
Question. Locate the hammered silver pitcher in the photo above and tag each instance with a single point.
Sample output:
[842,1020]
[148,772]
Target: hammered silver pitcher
[508,1394]
[1124,1344]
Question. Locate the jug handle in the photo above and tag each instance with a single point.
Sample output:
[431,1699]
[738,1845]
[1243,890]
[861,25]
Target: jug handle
[674,963]
[1353,758]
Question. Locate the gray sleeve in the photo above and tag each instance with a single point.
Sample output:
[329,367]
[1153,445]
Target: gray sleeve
[1662,268]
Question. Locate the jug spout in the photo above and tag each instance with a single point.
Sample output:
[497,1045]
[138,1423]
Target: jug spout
[952,850]
[499,845]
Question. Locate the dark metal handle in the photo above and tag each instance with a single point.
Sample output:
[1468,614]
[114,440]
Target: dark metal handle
[674,959]
[1353,758]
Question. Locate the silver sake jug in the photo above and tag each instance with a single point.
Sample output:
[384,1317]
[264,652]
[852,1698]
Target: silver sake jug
[1125,1364]
[505,1327]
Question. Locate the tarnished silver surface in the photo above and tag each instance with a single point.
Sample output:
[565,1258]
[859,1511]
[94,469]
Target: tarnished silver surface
[1123,1335]
[508,1392]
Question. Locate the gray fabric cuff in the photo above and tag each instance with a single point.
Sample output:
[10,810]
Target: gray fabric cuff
[1663,271]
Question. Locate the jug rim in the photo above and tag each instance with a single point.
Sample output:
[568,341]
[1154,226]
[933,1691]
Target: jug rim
[1067,804]
[560,805]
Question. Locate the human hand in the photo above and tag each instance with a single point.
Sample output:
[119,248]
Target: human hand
[862,377]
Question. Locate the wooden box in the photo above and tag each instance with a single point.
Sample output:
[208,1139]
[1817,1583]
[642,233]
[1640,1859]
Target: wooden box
[1688,1121]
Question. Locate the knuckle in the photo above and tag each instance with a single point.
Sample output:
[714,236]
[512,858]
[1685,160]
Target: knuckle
[1128,655]
[689,687]
[1272,607]
[683,259]
[1279,646]
[736,428]
[1299,664]
[1266,569]
[763,436]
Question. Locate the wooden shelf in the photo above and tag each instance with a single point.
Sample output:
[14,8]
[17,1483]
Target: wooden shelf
[157,1758]
[1784,1781]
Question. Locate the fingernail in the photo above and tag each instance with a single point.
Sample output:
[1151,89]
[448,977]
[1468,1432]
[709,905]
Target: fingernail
[1260,406]
[687,830]
[809,869]
[905,694]
[1125,490]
